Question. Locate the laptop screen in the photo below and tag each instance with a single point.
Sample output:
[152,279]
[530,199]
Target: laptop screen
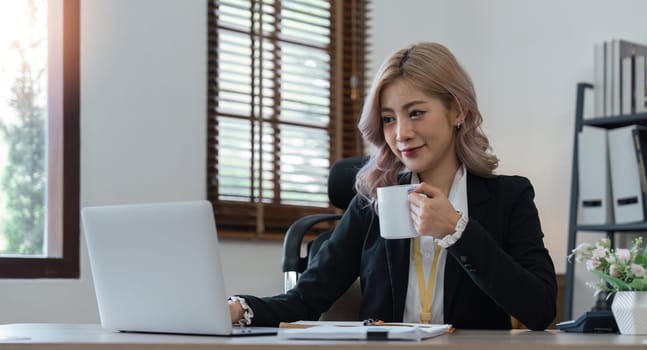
[156,267]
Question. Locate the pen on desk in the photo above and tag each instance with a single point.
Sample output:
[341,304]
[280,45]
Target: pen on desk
[372,322]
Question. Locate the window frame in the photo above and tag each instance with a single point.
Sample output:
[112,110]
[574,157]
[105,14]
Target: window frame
[250,219]
[63,154]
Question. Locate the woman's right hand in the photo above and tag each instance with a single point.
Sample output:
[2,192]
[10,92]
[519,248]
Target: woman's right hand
[432,213]
[236,311]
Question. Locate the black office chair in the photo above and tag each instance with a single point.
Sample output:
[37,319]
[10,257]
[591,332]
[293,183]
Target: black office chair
[341,181]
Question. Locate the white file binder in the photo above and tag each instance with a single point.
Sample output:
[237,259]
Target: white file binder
[640,80]
[626,149]
[599,81]
[595,207]
[628,92]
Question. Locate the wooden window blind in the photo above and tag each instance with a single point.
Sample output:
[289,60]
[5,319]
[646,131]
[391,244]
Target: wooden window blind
[285,84]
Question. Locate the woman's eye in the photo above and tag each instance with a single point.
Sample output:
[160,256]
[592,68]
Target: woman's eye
[387,119]
[414,114]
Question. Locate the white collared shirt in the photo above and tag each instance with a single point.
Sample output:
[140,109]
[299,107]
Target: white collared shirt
[458,198]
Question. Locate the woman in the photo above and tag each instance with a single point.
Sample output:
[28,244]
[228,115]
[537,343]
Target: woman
[480,257]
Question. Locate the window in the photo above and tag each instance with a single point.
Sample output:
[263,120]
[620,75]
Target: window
[285,85]
[39,142]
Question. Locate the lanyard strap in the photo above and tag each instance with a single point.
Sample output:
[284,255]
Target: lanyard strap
[426,292]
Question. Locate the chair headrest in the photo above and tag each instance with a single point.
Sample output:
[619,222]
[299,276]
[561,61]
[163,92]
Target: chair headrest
[341,180]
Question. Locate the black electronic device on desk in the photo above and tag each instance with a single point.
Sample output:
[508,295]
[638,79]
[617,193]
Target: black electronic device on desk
[601,321]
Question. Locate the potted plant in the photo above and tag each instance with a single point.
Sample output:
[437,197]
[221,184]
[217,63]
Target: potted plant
[623,274]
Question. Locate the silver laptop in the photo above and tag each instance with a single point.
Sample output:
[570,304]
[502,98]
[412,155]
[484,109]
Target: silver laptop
[156,268]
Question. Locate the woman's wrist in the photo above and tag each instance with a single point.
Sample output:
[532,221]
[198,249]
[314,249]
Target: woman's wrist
[240,312]
[450,239]
[452,224]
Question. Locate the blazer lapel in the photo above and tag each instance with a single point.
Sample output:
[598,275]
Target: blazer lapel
[397,257]
[477,204]
[477,195]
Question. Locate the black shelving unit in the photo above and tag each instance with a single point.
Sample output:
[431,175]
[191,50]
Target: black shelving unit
[573,227]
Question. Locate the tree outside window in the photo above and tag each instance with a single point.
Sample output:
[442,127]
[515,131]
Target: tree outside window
[23,99]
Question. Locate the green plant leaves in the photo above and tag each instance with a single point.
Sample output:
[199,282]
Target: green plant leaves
[616,283]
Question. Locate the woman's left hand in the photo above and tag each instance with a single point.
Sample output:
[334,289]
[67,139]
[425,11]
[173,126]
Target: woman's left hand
[431,211]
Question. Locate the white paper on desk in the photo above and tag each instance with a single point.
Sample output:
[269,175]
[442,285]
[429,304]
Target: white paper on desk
[332,332]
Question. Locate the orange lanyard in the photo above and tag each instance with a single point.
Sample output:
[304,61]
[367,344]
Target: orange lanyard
[426,293]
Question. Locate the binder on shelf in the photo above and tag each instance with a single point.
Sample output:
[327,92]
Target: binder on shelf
[595,199]
[621,49]
[640,80]
[599,80]
[627,147]
[608,79]
[628,91]
[616,59]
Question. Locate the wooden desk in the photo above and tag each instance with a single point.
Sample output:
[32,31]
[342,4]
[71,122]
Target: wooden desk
[89,336]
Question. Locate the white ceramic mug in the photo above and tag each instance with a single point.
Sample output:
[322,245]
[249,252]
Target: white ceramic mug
[394,212]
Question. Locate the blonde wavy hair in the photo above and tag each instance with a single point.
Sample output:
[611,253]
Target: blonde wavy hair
[434,70]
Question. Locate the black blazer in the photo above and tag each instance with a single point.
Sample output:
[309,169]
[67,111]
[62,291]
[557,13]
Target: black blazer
[499,268]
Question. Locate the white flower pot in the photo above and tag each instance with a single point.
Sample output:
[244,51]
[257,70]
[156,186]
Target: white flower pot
[630,312]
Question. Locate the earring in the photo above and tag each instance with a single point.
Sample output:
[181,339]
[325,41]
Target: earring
[458,126]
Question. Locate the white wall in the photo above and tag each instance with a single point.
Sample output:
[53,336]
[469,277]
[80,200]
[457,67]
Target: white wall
[144,101]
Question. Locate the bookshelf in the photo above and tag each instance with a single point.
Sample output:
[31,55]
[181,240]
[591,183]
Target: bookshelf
[573,227]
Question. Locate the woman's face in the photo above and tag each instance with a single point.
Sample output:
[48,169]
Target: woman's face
[419,129]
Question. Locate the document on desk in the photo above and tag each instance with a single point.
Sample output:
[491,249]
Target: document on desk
[358,331]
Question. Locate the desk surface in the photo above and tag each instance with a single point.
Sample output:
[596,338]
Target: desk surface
[91,336]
